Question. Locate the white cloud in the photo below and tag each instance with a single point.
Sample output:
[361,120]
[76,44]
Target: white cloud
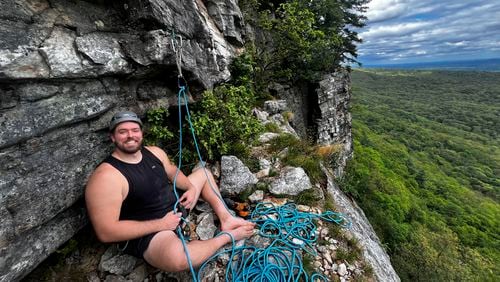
[426,29]
[379,10]
[392,30]
[460,43]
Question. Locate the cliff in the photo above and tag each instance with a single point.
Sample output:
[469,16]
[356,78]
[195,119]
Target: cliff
[67,66]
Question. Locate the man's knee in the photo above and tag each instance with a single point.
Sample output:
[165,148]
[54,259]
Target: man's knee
[180,263]
[166,252]
[171,262]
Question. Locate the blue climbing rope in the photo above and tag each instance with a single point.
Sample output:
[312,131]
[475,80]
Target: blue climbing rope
[287,231]
[290,232]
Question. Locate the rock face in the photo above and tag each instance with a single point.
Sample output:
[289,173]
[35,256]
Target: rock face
[321,111]
[334,122]
[363,231]
[65,68]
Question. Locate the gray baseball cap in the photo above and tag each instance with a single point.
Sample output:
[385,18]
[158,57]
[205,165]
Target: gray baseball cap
[123,117]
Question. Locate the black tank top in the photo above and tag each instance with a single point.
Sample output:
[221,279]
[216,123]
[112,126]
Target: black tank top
[150,195]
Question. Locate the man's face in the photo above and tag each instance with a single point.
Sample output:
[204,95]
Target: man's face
[127,137]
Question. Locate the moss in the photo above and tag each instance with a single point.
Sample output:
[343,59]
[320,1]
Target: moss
[328,205]
[288,116]
[252,163]
[307,197]
[308,264]
[300,153]
[272,127]
[243,196]
[273,172]
[334,230]
[262,186]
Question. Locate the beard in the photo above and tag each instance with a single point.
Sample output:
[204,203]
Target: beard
[129,149]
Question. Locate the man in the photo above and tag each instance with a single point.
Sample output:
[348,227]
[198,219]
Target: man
[130,200]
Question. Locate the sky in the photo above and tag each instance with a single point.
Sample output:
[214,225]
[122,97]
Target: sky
[410,31]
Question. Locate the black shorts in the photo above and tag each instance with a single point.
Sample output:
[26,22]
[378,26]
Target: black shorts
[136,247]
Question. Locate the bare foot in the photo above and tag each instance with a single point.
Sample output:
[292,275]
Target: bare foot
[233,222]
[242,232]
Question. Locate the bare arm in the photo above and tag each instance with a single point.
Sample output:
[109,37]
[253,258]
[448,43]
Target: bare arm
[104,194]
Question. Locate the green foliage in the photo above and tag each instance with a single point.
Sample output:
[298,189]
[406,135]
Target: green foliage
[243,196]
[305,39]
[307,197]
[157,131]
[308,264]
[68,248]
[272,127]
[273,172]
[223,121]
[242,70]
[300,153]
[426,169]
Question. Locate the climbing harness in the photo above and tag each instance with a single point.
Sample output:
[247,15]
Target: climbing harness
[287,232]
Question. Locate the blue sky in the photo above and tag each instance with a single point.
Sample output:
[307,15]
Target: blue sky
[408,31]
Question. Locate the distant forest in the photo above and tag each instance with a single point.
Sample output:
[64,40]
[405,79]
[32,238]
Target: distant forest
[426,170]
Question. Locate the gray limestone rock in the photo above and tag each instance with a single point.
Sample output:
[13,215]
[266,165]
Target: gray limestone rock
[260,115]
[275,106]
[334,124]
[256,196]
[228,19]
[264,164]
[59,52]
[139,273]
[43,240]
[235,176]
[43,115]
[267,136]
[342,269]
[31,65]
[291,181]
[362,230]
[121,264]
[104,52]
[206,227]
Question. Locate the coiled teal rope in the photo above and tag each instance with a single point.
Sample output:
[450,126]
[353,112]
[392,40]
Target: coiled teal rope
[290,232]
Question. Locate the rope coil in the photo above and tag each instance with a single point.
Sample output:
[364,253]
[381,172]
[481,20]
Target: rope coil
[281,260]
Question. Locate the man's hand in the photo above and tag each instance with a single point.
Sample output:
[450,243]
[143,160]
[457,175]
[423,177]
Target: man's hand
[171,220]
[189,198]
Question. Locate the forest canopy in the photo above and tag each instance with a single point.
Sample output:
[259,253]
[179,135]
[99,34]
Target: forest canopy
[426,170]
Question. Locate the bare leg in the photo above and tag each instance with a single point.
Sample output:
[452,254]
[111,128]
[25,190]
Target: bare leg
[167,252]
[228,222]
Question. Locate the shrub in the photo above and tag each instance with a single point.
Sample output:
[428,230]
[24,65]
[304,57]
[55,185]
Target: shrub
[223,121]
[157,131]
[300,153]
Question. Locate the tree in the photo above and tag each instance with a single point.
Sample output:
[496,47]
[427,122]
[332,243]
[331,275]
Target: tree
[305,39]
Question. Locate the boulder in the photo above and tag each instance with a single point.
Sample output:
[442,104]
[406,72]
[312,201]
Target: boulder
[235,176]
[291,181]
